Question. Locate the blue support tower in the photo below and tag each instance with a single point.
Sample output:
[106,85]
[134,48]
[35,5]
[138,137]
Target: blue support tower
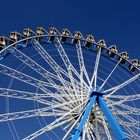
[118,133]
[84,118]
[116,129]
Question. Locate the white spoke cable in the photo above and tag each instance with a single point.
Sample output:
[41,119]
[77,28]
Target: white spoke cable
[45,55]
[106,128]
[116,88]
[94,76]
[23,77]
[74,124]
[110,74]
[67,63]
[35,66]
[48,59]
[128,129]
[32,113]
[65,58]
[32,64]
[83,70]
[27,79]
[81,62]
[123,98]
[45,129]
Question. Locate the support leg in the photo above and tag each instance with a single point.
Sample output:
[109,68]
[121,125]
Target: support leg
[118,133]
[84,118]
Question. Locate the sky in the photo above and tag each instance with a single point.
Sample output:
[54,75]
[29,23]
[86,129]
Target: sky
[117,22]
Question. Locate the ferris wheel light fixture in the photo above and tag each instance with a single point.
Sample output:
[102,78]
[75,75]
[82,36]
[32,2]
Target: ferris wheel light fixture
[89,41]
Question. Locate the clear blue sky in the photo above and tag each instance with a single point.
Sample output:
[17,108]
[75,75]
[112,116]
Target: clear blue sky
[118,22]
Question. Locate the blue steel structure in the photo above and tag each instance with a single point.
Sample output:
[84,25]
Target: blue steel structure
[97,96]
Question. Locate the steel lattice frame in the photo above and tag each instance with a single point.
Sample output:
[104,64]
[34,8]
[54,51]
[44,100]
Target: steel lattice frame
[84,98]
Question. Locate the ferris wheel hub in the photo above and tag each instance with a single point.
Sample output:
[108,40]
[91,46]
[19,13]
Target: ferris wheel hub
[96,93]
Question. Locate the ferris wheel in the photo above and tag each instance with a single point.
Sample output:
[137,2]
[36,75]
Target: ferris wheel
[59,86]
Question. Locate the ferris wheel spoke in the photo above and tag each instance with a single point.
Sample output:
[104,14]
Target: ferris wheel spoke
[94,76]
[132,109]
[128,109]
[84,134]
[24,78]
[127,128]
[46,56]
[46,128]
[4,92]
[118,87]
[59,71]
[81,62]
[127,135]
[65,58]
[33,113]
[124,98]
[74,124]
[125,115]
[28,79]
[20,115]
[92,131]
[51,126]
[33,65]
[110,74]
[49,60]
[106,128]
[67,63]
[89,134]
[83,70]
[62,95]
[133,125]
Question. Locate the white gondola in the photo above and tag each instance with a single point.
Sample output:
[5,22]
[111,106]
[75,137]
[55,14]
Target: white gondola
[112,51]
[40,31]
[14,36]
[134,65]
[27,32]
[89,41]
[64,33]
[52,32]
[101,44]
[4,41]
[77,36]
[123,57]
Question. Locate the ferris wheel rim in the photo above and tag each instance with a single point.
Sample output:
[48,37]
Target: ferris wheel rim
[71,37]
[37,37]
